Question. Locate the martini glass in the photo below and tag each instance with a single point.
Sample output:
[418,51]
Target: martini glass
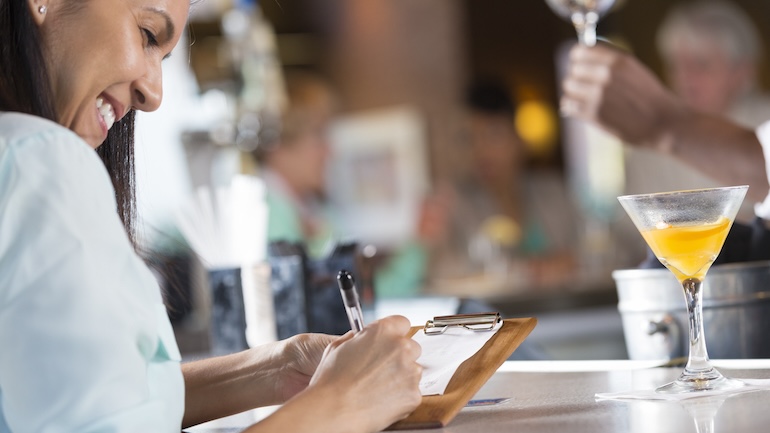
[584,15]
[686,231]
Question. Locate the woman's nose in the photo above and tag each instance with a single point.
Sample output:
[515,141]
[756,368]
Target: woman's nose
[147,91]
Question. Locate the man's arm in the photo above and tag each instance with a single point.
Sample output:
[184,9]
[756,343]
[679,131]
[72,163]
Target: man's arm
[612,89]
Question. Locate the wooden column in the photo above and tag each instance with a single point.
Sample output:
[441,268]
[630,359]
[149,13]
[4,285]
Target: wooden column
[388,52]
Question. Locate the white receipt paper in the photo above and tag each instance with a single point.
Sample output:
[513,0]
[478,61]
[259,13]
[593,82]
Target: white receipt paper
[442,354]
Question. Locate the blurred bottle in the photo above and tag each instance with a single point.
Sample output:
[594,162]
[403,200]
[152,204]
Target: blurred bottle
[494,244]
[261,89]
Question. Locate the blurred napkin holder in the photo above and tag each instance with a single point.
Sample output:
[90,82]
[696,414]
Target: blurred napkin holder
[306,297]
[241,308]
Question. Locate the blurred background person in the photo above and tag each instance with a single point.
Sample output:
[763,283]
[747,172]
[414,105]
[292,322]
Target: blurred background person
[506,222]
[292,156]
[292,159]
[711,53]
[611,88]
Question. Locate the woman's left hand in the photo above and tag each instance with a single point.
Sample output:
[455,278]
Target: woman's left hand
[302,354]
[262,376]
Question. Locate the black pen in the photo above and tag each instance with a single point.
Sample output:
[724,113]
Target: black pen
[350,299]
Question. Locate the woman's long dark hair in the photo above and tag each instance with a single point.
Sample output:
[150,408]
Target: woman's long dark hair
[24,83]
[25,87]
[117,154]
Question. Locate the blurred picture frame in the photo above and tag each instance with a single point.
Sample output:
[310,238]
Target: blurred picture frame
[378,174]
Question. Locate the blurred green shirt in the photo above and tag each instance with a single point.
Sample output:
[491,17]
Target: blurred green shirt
[401,276]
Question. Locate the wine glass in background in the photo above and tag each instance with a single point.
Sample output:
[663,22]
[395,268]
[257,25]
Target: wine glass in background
[686,231]
[584,15]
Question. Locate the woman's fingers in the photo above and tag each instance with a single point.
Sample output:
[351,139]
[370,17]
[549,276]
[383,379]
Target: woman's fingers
[374,372]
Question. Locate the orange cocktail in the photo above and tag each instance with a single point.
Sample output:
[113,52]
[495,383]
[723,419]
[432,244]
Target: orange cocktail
[686,231]
[688,250]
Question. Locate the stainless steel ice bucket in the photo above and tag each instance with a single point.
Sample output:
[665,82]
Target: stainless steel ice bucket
[736,312]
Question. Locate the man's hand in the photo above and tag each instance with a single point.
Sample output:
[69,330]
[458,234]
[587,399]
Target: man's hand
[611,88]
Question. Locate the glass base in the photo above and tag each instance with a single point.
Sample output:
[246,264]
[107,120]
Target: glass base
[709,380]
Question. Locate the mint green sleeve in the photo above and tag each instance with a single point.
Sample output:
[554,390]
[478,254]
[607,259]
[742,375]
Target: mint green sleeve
[283,223]
[404,274]
[87,346]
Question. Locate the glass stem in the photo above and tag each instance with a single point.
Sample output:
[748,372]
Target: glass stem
[585,24]
[698,361]
[704,426]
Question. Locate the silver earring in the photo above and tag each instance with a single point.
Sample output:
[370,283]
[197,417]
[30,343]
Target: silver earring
[42,9]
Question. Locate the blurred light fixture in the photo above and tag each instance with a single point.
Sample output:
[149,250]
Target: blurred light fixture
[535,122]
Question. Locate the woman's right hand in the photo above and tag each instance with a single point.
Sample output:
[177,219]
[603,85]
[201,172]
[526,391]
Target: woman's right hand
[373,375]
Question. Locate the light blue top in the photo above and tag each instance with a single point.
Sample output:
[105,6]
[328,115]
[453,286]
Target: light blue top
[85,342]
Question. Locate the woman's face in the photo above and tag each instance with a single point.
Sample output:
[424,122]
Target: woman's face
[104,57]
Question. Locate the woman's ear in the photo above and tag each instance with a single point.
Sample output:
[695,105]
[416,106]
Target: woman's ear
[38,9]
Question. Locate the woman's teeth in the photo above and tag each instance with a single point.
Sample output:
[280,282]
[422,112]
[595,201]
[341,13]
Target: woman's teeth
[106,111]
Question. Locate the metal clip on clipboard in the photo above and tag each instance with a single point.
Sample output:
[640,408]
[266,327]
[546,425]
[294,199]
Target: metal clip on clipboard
[473,322]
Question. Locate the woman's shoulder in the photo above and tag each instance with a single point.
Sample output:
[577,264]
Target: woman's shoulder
[32,141]
[18,127]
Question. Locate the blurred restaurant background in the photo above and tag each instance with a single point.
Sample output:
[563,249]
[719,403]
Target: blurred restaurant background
[398,158]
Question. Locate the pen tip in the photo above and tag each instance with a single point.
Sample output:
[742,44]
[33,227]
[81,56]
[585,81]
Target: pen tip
[346,278]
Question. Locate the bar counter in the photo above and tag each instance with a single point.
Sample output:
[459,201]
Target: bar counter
[558,396]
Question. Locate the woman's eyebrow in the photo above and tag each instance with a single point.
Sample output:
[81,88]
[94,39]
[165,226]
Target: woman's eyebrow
[170,28]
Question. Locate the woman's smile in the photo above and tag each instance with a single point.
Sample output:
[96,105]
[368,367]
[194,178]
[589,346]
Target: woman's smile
[106,114]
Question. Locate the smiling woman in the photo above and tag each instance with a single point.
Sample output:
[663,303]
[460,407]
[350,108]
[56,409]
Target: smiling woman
[85,342]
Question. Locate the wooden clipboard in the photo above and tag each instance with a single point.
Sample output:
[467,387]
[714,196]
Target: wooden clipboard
[437,411]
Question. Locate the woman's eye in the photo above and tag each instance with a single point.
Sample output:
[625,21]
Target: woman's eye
[151,39]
